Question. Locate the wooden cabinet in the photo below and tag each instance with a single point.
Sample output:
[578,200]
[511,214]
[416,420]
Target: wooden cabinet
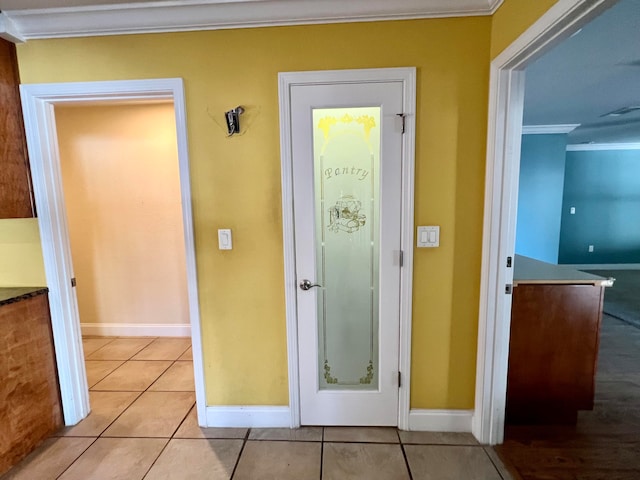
[553,352]
[16,199]
[30,406]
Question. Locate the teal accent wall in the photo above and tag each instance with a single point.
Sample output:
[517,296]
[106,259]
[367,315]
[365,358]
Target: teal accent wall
[604,188]
[542,171]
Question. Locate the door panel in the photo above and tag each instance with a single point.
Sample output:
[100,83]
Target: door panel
[347,151]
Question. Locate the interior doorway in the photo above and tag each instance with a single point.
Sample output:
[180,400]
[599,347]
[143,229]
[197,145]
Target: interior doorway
[506,104]
[39,103]
[119,166]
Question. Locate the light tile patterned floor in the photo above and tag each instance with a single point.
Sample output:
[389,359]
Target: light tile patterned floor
[143,426]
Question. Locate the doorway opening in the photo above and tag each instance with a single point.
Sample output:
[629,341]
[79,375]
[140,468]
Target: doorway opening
[501,193]
[39,105]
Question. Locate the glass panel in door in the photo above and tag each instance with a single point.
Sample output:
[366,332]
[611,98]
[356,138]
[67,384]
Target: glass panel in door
[346,155]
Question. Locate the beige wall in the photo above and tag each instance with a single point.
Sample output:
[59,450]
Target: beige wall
[122,194]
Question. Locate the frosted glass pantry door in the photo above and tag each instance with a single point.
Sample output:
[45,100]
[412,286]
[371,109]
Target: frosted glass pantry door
[346,159]
[347,151]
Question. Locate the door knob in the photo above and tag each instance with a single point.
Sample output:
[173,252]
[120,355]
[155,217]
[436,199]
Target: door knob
[307,285]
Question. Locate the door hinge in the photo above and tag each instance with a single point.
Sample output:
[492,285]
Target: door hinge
[402,117]
[508,289]
[401,258]
[73,282]
[399,379]
[509,260]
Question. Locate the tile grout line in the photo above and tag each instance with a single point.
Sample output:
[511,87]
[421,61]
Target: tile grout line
[155,459]
[116,338]
[404,455]
[244,442]
[95,439]
[182,421]
[106,375]
[85,355]
[321,452]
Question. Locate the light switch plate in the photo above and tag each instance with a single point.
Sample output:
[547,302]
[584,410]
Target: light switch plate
[224,239]
[428,236]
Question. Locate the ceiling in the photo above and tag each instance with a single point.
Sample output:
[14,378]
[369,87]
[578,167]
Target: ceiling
[588,75]
[30,19]
[594,72]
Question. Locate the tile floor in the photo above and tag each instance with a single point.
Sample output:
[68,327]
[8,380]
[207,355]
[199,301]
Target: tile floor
[143,426]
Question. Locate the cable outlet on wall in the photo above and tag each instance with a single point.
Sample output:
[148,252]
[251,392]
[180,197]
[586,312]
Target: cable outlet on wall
[590,248]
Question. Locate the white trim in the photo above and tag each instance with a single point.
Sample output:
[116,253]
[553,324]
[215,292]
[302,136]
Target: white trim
[603,266]
[440,420]
[501,188]
[250,416]
[8,30]
[38,106]
[407,233]
[136,329]
[496,5]
[188,15]
[495,307]
[286,81]
[288,227]
[549,129]
[585,147]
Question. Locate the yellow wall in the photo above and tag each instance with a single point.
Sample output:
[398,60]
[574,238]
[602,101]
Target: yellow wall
[236,181]
[512,19]
[21,263]
[122,193]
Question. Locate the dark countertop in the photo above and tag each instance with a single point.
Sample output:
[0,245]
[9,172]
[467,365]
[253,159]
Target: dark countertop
[10,295]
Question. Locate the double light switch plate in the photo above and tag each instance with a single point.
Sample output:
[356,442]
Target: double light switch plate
[428,237]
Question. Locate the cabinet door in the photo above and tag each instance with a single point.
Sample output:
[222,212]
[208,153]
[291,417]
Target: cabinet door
[15,181]
[30,406]
[553,351]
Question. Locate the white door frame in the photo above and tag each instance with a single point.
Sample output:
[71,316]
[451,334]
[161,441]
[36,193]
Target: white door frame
[38,103]
[506,104]
[286,81]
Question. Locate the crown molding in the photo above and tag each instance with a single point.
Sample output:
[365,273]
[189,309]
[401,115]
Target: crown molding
[189,15]
[495,5]
[8,30]
[584,147]
[548,129]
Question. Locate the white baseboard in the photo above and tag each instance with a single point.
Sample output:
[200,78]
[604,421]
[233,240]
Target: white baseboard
[250,416]
[137,329]
[604,266]
[440,420]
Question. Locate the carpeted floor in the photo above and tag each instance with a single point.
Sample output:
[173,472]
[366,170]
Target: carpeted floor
[622,301]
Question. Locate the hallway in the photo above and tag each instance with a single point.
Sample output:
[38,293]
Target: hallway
[143,426]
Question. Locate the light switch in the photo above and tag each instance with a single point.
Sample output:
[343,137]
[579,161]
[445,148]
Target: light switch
[428,236]
[224,239]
